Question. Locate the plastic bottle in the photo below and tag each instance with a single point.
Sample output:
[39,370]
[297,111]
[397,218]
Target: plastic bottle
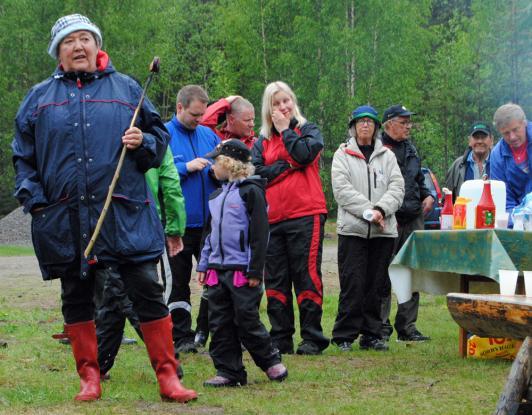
[460,212]
[446,214]
[485,218]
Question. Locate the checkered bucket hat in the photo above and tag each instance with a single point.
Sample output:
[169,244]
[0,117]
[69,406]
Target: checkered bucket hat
[68,24]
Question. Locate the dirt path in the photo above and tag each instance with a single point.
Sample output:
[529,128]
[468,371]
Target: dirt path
[21,284]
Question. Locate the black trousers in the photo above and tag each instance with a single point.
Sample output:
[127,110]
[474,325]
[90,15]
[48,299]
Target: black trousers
[363,270]
[141,284]
[179,299]
[113,306]
[234,318]
[406,316]
[294,259]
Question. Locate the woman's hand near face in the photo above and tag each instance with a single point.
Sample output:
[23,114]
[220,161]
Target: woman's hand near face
[280,121]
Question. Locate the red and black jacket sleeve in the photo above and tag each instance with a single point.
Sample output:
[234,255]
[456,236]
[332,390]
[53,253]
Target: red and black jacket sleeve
[304,147]
[215,113]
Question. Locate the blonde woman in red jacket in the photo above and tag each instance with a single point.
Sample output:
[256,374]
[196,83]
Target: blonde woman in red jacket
[287,155]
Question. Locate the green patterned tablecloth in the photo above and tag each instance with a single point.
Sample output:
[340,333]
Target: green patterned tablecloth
[473,252]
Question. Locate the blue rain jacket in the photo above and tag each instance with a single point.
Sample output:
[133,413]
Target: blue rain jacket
[65,151]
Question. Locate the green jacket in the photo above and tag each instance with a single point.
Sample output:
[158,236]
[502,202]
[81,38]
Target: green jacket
[166,178]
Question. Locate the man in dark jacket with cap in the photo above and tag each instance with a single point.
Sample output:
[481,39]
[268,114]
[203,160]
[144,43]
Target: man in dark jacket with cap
[410,216]
[475,162]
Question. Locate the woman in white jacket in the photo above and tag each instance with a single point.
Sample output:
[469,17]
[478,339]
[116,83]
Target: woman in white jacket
[368,187]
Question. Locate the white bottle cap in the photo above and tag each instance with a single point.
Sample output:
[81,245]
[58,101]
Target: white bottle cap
[368,215]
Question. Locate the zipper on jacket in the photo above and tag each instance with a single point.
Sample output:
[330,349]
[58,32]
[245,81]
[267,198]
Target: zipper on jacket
[83,125]
[369,197]
[201,179]
[374,179]
[220,225]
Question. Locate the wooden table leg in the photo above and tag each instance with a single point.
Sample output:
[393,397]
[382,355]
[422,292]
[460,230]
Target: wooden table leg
[462,334]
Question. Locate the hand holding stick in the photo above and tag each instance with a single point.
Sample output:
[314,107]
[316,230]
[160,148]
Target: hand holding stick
[154,68]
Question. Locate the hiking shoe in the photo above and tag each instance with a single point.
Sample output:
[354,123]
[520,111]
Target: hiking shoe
[200,340]
[127,340]
[413,336]
[308,348]
[188,347]
[277,372]
[222,382]
[373,343]
[345,346]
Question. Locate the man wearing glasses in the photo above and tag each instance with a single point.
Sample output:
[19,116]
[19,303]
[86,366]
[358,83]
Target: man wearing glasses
[417,201]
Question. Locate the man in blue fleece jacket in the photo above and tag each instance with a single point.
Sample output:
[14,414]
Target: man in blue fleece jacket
[189,142]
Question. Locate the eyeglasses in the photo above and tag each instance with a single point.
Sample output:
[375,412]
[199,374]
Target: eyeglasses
[404,123]
[365,121]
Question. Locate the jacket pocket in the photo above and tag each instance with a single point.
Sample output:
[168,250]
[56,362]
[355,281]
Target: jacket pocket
[52,235]
[349,224]
[242,241]
[137,229]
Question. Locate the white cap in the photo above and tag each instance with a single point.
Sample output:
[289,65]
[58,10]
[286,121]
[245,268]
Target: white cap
[69,24]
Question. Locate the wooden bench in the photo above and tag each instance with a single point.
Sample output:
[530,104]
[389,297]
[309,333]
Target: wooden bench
[495,315]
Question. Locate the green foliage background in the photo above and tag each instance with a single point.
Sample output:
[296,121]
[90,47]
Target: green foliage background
[451,61]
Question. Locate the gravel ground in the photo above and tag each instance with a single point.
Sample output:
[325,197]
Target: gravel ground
[21,284]
[15,229]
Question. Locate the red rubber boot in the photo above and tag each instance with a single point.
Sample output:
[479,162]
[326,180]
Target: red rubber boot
[85,349]
[158,339]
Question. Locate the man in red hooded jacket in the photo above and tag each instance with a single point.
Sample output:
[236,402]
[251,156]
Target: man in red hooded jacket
[232,117]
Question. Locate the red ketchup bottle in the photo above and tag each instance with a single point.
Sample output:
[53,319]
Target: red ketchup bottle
[446,214]
[485,209]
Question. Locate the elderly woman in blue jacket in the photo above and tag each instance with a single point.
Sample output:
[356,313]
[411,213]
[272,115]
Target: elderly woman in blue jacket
[69,133]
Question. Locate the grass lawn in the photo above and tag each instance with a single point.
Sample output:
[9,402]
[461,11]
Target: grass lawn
[12,250]
[37,374]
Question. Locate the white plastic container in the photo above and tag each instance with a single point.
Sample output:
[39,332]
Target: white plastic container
[472,189]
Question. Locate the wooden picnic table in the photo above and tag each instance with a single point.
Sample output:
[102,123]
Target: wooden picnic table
[441,262]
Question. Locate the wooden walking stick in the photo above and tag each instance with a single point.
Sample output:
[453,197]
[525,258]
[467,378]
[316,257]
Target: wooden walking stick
[154,68]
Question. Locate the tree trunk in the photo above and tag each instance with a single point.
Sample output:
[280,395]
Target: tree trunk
[263,34]
[517,382]
[350,55]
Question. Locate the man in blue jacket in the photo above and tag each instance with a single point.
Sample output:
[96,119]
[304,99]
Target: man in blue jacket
[70,130]
[189,142]
[511,159]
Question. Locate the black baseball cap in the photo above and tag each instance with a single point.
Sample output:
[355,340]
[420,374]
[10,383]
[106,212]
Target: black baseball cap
[233,148]
[480,127]
[397,110]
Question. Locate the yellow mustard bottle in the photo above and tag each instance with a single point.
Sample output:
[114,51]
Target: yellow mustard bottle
[460,212]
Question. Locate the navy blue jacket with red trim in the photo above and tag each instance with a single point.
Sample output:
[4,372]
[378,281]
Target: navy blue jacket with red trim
[68,140]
